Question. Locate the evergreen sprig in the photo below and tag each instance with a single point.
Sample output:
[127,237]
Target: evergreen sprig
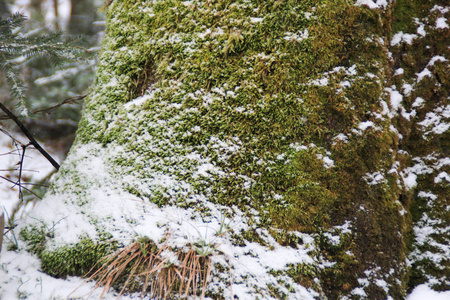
[16,47]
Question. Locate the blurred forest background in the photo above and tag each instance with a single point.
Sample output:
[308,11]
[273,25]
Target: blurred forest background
[24,176]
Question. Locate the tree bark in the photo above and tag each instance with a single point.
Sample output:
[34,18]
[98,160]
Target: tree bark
[286,142]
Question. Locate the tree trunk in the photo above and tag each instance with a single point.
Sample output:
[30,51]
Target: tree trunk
[4,10]
[285,143]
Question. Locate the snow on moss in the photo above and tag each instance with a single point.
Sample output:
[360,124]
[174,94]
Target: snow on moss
[253,131]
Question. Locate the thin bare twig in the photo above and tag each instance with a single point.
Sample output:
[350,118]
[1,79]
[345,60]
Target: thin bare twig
[50,108]
[15,183]
[19,179]
[65,101]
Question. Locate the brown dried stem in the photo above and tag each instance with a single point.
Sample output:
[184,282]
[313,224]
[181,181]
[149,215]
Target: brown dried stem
[142,262]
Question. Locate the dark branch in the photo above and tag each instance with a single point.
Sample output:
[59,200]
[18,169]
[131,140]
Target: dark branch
[29,136]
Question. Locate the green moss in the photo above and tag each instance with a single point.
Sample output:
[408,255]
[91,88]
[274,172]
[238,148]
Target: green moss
[404,12]
[73,260]
[303,274]
[35,237]
[76,260]
[253,237]
[286,238]
[417,142]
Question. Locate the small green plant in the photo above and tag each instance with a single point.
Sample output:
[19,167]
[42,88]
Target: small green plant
[13,243]
[50,231]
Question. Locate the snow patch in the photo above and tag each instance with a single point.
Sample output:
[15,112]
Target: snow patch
[373,4]
[425,73]
[299,36]
[441,23]
[423,291]
[443,176]
[434,121]
[403,37]
[374,178]
[256,20]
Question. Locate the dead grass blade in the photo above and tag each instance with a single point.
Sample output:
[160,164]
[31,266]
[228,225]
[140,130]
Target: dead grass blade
[143,264]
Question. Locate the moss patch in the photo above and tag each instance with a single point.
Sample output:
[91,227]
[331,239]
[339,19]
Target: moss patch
[73,260]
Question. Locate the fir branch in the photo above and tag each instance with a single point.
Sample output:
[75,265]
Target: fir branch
[13,46]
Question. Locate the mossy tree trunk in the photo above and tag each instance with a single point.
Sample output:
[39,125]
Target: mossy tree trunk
[287,137]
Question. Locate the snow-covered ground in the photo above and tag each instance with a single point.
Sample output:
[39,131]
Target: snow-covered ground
[20,273]
[21,278]
[35,167]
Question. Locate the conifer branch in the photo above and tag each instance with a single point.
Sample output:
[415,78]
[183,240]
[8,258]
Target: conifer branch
[14,45]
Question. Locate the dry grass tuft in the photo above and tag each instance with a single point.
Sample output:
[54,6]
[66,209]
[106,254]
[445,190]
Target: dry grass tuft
[149,269]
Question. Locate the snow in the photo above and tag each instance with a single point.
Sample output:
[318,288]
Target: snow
[443,176]
[441,23]
[21,277]
[425,73]
[299,36]
[364,125]
[441,9]
[359,292]
[36,168]
[256,20]
[399,71]
[21,274]
[134,217]
[421,30]
[320,82]
[423,291]
[374,178]
[435,59]
[396,100]
[403,37]
[382,284]
[327,162]
[434,121]
[407,89]
[340,137]
[205,170]
[410,181]
[419,102]
[372,3]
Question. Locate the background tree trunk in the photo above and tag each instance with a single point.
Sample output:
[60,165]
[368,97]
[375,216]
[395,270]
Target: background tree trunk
[82,16]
